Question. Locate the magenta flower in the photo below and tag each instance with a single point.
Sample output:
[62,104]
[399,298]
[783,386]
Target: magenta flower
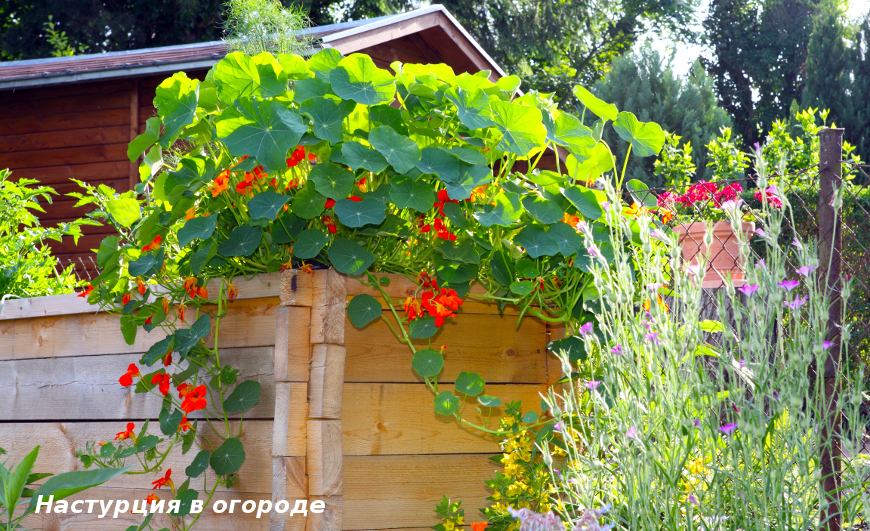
[653,286]
[728,429]
[805,270]
[748,289]
[653,337]
[558,427]
[585,329]
[595,251]
[617,350]
[658,235]
[795,304]
[697,423]
[592,384]
[760,264]
[826,345]
[631,433]
[776,394]
[789,284]
[797,244]
[693,499]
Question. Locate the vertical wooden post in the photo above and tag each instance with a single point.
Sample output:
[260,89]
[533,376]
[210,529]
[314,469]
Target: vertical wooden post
[830,245]
[134,129]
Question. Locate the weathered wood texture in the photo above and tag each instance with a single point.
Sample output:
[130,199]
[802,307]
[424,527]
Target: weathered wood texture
[342,417]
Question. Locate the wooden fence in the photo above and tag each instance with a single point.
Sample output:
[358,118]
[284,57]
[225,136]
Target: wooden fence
[342,416]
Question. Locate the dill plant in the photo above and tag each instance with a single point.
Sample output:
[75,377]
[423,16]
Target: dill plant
[256,26]
[677,432]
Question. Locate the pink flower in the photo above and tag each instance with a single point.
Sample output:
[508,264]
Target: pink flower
[805,270]
[826,345]
[617,350]
[797,244]
[761,233]
[693,499]
[585,329]
[789,284]
[748,289]
[592,384]
[728,429]
[595,251]
[653,286]
[760,264]
[631,433]
[658,235]
[694,269]
[653,337]
[795,304]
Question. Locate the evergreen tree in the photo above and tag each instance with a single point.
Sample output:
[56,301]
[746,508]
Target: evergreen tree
[644,83]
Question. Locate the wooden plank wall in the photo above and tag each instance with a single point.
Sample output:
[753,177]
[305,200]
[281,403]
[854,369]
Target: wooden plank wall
[342,417]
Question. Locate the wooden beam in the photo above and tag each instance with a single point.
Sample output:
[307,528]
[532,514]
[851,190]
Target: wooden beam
[331,517]
[292,349]
[326,381]
[291,412]
[324,458]
[382,34]
[329,301]
[134,129]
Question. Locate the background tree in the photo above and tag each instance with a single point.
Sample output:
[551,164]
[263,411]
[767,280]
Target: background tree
[644,83]
[554,45]
[757,53]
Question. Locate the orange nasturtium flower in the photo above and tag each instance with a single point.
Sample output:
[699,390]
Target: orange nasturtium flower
[185,425]
[180,311]
[167,361]
[154,245]
[220,184]
[141,286]
[152,498]
[165,302]
[306,267]
[190,213]
[87,291]
[125,299]
[194,399]
[478,526]
[413,308]
[441,304]
[162,380]
[479,193]
[232,292]
[164,481]
[667,215]
[126,379]
[662,304]
[127,434]
[571,220]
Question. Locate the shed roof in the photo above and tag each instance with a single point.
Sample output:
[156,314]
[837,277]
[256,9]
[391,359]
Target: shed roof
[347,37]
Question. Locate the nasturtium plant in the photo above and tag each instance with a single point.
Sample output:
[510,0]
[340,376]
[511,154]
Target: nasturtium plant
[282,162]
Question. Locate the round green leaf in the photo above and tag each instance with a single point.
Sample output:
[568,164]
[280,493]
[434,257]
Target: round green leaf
[294,66]
[469,383]
[235,75]
[357,78]
[440,162]
[463,252]
[585,200]
[360,213]
[488,401]
[522,127]
[349,257]
[406,193]
[305,89]
[530,417]
[228,459]
[399,150]
[146,265]
[566,238]
[470,177]
[446,403]
[359,156]
[363,309]
[522,287]
[332,180]
[176,99]
[422,328]
[536,241]
[506,210]
[428,363]
[324,61]
[198,228]
[568,131]
[327,117]
[646,138]
[542,210]
[243,397]
[242,241]
[502,268]
[125,210]
[308,202]
[456,215]
[199,464]
[596,161]
[266,205]
[472,107]
[309,243]
[169,421]
[264,130]
[598,107]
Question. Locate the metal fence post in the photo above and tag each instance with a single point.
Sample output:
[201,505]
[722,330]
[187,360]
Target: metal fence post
[830,246]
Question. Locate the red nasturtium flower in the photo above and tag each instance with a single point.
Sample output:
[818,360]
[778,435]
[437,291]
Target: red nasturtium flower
[148,321]
[127,434]
[126,379]
[185,425]
[87,291]
[571,219]
[330,203]
[478,526]
[194,399]
[330,224]
[443,199]
[298,156]
[167,361]
[141,286]
[232,292]
[155,244]
[164,481]
[180,311]
[442,232]
[413,308]
[220,184]
[125,299]
[355,198]
[441,304]
[152,498]
[162,380]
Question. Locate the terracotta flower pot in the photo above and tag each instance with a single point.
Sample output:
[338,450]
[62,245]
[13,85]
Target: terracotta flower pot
[724,257]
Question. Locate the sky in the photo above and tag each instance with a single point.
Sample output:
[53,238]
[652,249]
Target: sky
[686,54]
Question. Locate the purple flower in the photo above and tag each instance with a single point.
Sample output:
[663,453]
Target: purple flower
[805,270]
[795,304]
[826,345]
[605,204]
[595,251]
[742,363]
[789,284]
[592,384]
[693,499]
[558,474]
[558,427]
[797,244]
[697,423]
[631,433]
[748,289]
[757,147]
[760,264]
[653,337]
[585,329]
[617,350]
[776,394]
[532,521]
[728,429]
[761,233]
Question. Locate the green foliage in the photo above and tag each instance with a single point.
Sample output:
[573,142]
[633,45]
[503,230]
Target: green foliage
[59,41]
[256,26]
[644,83]
[27,267]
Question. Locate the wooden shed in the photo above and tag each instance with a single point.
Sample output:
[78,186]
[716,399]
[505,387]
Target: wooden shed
[342,417]
[72,117]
